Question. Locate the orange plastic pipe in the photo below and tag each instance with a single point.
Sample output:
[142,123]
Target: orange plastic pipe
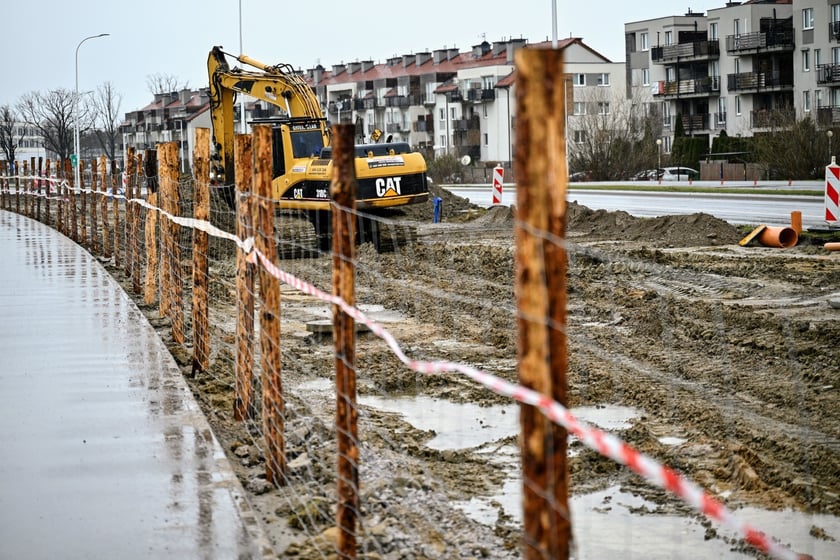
[832,246]
[778,237]
[796,221]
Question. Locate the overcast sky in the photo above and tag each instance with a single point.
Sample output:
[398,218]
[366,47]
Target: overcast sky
[173,37]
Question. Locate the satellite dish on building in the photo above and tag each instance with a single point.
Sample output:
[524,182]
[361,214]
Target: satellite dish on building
[466,160]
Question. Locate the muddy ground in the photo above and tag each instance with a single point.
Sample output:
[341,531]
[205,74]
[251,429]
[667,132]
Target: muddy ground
[734,350]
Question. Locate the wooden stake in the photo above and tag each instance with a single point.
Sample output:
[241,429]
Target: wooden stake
[201,293]
[129,217]
[275,459]
[103,185]
[40,187]
[71,202]
[245,272]
[115,205]
[343,192]
[540,292]
[84,197]
[151,250]
[94,219]
[173,284]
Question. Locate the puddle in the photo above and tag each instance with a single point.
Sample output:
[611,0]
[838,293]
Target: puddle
[612,524]
[456,425]
[606,524]
[672,440]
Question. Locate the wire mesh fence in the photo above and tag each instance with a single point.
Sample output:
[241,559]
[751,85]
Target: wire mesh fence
[394,393]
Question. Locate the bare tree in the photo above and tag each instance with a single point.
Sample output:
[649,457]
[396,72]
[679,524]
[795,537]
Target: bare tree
[8,139]
[53,116]
[106,103]
[613,137]
[163,83]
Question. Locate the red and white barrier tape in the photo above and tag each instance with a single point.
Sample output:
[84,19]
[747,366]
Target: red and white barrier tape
[602,442]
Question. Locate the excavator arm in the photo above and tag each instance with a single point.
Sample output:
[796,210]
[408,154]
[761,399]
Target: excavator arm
[278,85]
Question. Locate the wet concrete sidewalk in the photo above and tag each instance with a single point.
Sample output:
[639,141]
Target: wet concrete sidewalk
[103,451]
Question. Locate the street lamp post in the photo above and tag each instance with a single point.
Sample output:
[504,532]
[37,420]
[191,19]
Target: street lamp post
[829,134]
[659,159]
[76,109]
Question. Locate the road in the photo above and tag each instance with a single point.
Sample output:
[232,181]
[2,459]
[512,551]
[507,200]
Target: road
[734,208]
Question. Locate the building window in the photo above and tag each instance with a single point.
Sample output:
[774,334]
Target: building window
[579,136]
[817,57]
[443,141]
[721,116]
[442,114]
[835,12]
[580,108]
[603,108]
[452,113]
[806,60]
[806,101]
[669,38]
[645,76]
[736,27]
[645,41]
[818,100]
[603,79]
[486,139]
[808,18]
[835,55]
[579,79]
[737,104]
[713,31]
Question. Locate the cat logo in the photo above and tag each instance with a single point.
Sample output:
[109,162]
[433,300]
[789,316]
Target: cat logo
[389,186]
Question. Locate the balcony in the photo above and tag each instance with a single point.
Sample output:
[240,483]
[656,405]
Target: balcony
[771,118]
[773,40]
[698,87]
[397,101]
[479,95]
[393,127]
[698,50]
[754,81]
[828,115]
[828,74]
[695,123]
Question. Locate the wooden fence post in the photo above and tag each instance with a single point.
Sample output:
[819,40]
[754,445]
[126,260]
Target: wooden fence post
[48,193]
[135,213]
[129,220]
[17,187]
[201,211]
[94,220]
[343,192]
[150,174]
[245,271]
[25,176]
[173,275]
[83,195]
[275,455]
[3,185]
[151,250]
[103,185]
[73,223]
[540,287]
[39,187]
[116,243]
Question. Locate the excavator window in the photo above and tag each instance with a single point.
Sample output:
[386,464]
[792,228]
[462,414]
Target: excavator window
[307,144]
[279,159]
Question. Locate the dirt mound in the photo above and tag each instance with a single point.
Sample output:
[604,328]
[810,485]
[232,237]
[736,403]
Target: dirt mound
[677,230]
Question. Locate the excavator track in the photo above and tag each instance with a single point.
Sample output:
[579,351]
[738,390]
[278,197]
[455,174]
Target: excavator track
[296,235]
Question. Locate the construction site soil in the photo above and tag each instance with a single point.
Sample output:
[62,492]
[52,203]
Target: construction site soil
[733,350]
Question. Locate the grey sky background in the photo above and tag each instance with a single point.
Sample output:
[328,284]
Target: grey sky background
[173,37]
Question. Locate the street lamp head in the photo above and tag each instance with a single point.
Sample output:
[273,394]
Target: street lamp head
[659,141]
[829,133]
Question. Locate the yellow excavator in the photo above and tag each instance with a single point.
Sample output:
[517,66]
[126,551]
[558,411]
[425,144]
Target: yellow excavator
[389,175]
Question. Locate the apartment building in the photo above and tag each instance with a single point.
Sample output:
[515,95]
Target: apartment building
[731,68]
[459,103]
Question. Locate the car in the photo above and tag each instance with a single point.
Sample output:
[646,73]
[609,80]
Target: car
[646,175]
[679,174]
[580,176]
